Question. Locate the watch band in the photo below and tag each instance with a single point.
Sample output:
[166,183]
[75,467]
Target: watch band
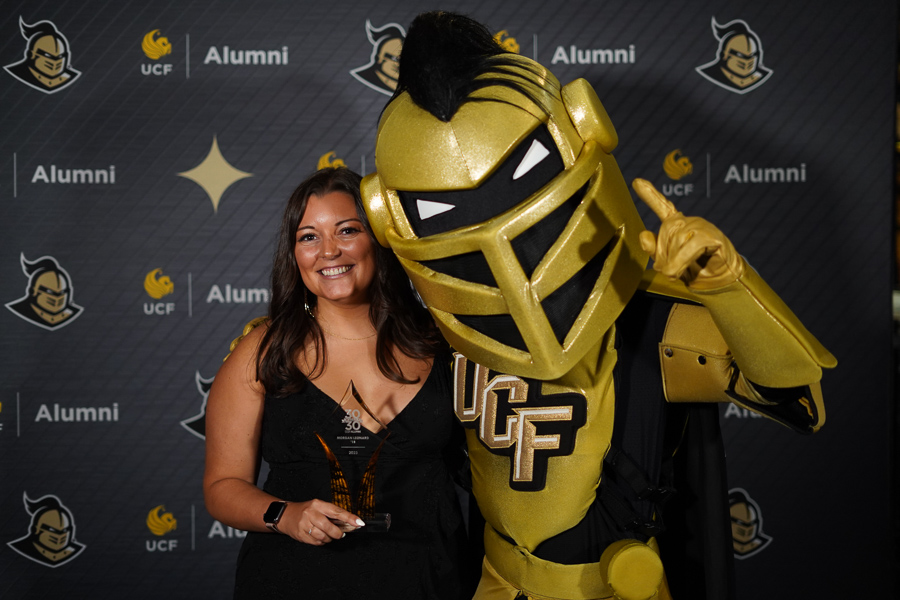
[273,514]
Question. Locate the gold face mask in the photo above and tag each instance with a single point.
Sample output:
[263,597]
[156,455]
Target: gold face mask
[744,522]
[51,292]
[512,220]
[740,55]
[49,56]
[53,529]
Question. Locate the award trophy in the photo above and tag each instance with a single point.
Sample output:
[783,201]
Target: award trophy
[346,442]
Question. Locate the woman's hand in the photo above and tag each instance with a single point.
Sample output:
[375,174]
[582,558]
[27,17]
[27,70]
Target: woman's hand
[316,522]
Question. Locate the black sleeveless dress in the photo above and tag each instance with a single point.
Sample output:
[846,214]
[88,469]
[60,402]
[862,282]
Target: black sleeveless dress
[420,557]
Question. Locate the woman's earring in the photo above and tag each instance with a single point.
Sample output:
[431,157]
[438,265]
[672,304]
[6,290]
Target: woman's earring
[306,306]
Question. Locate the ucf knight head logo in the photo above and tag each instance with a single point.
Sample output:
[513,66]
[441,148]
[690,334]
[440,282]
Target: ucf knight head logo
[47,66]
[197,424]
[738,64]
[47,301]
[746,524]
[381,72]
[50,540]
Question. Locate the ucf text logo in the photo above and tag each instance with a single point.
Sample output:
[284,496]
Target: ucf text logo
[157,287]
[155,47]
[506,41]
[47,66]
[381,72]
[738,64]
[160,522]
[50,540]
[47,302]
[677,166]
[532,426]
[330,159]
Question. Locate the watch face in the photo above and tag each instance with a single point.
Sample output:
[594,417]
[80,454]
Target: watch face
[274,512]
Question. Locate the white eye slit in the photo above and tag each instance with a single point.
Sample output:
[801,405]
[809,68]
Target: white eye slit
[430,208]
[536,153]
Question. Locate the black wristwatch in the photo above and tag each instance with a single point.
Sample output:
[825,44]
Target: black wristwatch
[273,514]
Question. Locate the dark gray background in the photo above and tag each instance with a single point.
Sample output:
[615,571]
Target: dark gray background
[824,245]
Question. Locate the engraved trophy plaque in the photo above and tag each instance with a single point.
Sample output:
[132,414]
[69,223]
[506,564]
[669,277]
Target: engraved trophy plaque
[352,450]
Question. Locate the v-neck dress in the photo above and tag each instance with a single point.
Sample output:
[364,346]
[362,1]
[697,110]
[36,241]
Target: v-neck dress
[419,557]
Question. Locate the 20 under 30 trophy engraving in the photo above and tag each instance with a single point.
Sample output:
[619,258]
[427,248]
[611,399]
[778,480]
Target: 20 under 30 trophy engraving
[351,443]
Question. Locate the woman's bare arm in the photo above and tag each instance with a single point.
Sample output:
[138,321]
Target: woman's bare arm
[234,412]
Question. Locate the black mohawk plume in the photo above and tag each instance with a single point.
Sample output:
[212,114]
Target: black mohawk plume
[442,56]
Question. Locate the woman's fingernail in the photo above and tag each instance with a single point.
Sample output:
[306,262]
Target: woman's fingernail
[360,522]
[343,535]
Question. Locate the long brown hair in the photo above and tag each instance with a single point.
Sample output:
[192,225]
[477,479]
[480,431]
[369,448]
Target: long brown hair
[400,320]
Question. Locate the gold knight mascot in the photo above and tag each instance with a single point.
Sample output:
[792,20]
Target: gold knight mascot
[587,382]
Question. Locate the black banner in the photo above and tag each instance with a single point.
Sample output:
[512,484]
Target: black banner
[147,151]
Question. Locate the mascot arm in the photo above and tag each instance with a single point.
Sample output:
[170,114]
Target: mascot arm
[743,344]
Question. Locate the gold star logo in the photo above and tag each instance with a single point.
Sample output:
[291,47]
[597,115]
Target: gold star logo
[214,175]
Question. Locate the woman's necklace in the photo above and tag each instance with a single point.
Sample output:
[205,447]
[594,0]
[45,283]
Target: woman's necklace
[340,337]
[331,333]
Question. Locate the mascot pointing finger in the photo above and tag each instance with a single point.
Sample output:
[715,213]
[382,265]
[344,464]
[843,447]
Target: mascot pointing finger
[587,382]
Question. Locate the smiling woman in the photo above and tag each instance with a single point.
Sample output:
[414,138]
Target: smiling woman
[334,253]
[342,310]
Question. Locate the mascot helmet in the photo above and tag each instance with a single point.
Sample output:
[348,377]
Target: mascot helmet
[52,529]
[50,291]
[503,203]
[744,519]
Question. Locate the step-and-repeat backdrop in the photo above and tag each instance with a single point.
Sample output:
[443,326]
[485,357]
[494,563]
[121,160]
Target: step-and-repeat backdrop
[147,150]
